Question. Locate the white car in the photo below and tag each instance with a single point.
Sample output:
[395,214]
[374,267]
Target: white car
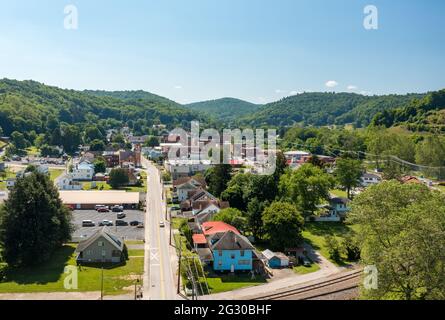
[162,224]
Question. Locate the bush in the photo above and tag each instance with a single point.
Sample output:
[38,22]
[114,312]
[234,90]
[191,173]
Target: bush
[334,248]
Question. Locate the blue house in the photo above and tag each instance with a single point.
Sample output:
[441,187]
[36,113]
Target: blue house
[231,252]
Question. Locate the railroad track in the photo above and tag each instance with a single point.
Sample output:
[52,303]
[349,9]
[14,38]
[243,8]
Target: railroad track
[350,281]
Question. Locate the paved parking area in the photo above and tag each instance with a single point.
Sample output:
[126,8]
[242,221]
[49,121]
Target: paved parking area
[128,232]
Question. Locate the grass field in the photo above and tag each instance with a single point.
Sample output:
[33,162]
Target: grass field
[100,185]
[305,270]
[222,283]
[6,175]
[50,276]
[33,151]
[55,173]
[315,233]
[339,193]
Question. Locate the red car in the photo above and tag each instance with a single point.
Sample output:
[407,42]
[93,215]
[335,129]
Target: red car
[103,210]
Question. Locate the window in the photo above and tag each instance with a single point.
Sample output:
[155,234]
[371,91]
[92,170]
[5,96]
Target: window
[244,262]
[232,256]
[242,253]
[220,253]
[220,263]
[100,244]
[116,253]
[88,252]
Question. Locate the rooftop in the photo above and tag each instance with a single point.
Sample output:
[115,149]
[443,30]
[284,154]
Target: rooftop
[99,197]
[212,227]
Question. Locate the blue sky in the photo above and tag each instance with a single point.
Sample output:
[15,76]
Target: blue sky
[260,51]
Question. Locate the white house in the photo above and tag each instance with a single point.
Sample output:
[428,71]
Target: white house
[369,179]
[10,182]
[66,182]
[184,168]
[184,186]
[83,171]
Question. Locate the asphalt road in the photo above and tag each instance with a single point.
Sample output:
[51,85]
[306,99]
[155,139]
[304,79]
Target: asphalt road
[158,280]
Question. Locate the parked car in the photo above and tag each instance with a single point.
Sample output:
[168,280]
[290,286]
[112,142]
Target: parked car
[106,223]
[121,223]
[117,209]
[104,209]
[88,223]
[175,208]
[162,224]
[135,223]
[121,215]
[98,206]
[140,225]
[305,261]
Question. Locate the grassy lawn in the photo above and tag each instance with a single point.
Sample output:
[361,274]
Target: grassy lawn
[100,185]
[55,173]
[7,174]
[136,252]
[441,188]
[305,270]
[50,276]
[133,242]
[32,151]
[177,222]
[315,232]
[339,193]
[222,283]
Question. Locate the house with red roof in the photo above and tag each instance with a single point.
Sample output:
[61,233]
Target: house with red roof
[222,246]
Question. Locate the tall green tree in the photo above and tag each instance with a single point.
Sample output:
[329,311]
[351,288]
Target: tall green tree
[348,173]
[232,216]
[401,231]
[306,187]
[118,178]
[283,225]
[218,177]
[33,222]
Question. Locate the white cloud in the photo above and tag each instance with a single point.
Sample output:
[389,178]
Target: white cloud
[294,93]
[278,91]
[178,87]
[352,87]
[331,84]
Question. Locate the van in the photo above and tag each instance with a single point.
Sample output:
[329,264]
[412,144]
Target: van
[88,223]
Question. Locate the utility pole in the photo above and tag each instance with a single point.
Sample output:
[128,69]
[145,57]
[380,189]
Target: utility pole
[179,268]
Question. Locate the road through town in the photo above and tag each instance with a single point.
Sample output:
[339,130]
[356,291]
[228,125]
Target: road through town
[158,279]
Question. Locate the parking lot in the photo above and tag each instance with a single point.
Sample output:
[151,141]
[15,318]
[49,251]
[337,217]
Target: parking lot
[127,232]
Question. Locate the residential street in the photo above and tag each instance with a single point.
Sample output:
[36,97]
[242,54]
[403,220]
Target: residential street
[158,275]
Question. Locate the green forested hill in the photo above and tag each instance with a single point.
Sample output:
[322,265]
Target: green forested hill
[321,109]
[31,106]
[225,109]
[427,114]
[132,96]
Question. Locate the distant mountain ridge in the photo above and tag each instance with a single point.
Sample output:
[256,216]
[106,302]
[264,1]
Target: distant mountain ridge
[325,108]
[224,109]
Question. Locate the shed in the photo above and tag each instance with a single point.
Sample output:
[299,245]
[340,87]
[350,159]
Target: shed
[276,260]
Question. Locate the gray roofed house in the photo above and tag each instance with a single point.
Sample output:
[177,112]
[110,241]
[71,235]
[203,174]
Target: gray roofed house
[232,241]
[102,246]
